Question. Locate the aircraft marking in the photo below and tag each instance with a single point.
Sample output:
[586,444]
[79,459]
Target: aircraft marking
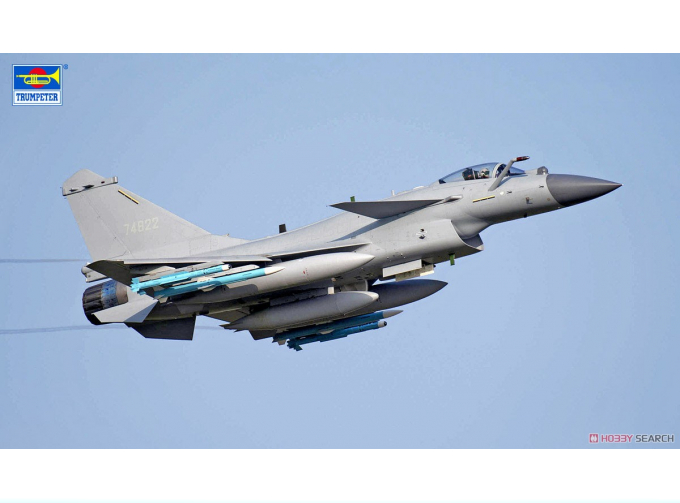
[141,225]
[129,197]
[482,199]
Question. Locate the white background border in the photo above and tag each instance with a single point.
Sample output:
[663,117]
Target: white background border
[344,475]
[339,475]
[347,26]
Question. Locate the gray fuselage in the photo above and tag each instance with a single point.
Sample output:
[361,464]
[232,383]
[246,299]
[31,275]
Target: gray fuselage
[431,234]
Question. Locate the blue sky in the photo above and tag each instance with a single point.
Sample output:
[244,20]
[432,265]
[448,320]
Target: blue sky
[563,326]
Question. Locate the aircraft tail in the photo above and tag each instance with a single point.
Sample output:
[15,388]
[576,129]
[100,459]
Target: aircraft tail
[115,222]
[179,330]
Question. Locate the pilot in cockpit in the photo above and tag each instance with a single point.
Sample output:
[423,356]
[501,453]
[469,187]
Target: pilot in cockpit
[479,171]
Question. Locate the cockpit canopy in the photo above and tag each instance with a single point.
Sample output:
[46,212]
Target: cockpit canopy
[479,172]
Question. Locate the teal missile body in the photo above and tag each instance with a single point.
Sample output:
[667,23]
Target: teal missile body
[336,325]
[210,283]
[136,285]
[336,334]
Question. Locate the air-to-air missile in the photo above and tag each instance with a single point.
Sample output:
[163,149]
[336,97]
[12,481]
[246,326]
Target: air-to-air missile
[335,325]
[334,330]
[165,271]
[178,275]
[297,272]
[207,283]
[337,334]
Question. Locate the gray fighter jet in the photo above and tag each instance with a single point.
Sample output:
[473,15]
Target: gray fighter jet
[156,272]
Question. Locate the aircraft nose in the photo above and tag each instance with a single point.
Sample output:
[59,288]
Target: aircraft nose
[573,189]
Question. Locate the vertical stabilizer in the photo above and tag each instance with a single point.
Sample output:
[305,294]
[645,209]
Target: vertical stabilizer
[116,222]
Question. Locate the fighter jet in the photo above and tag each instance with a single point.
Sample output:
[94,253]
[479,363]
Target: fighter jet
[156,272]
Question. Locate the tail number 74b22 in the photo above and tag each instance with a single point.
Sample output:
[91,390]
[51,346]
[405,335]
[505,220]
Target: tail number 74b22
[141,225]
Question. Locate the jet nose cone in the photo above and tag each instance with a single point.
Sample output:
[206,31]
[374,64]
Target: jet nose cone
[568,190]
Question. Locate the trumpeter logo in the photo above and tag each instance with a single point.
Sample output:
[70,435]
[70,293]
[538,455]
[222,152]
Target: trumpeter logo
[37,85]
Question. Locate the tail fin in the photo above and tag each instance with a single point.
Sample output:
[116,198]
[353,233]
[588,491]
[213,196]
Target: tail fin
[179,330]
[116,222]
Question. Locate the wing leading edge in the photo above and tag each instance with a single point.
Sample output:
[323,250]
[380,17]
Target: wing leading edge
[386,209]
